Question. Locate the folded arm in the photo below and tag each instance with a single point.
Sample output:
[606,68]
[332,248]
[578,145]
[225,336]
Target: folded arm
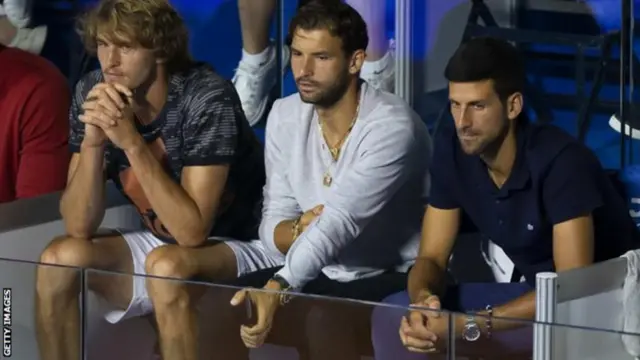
[382,168]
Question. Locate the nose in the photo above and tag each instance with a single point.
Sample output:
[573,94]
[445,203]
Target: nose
[306,67]
[113,58]
[461,117]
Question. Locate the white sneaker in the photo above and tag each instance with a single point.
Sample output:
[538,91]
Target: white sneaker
[254,83]
[616,124]
[384,77]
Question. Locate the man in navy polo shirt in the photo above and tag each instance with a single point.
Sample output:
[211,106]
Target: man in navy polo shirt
[535,191]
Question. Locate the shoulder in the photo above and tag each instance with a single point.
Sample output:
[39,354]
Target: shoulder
[203,85]
[383,114]
[31,72]
[550,148]
[85,84]
[446,145]
[287,114]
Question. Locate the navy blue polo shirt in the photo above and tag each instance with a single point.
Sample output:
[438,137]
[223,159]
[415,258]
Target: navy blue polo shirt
[555,178]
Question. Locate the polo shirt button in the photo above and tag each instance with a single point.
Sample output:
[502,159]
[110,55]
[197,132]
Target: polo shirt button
[497,201]
[500,222]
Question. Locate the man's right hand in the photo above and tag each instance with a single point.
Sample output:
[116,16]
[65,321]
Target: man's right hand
[309,216]
[106,103]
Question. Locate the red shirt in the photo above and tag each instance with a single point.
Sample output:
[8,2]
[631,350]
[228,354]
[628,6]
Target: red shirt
[34,126]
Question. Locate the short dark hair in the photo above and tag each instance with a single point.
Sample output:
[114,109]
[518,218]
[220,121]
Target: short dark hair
[486,58]
[340,19]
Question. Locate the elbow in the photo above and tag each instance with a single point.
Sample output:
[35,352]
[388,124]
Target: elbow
[192,238]
[78,232]
[267,235]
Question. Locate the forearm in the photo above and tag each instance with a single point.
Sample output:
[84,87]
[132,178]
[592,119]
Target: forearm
[425,276]
[521,309]
[82,204]
[172,204]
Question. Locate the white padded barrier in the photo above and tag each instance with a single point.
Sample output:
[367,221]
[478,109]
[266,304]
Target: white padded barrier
[589,297]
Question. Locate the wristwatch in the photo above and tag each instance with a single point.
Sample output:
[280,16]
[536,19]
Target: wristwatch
[471,330]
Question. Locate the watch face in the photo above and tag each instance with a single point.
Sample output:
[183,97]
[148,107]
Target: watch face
[471,332]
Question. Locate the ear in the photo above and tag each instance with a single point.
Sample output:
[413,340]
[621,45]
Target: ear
[356,62]
[515,105]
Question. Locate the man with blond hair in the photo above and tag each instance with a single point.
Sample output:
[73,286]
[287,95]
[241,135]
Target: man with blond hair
[171,135]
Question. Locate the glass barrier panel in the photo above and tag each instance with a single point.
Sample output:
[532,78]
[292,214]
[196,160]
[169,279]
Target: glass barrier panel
[32,309]
[516,339]
[302,325]
[602,311]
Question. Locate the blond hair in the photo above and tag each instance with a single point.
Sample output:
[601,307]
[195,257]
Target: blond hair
[151,24]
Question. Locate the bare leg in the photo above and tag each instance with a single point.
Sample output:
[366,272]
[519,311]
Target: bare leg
[175,302]
[57,289]
[255,18]
[374,13]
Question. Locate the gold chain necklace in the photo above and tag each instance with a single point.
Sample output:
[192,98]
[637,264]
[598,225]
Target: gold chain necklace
[335,150]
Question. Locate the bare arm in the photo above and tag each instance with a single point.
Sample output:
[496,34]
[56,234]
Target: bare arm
[439,231]
[188,209]
[83,202]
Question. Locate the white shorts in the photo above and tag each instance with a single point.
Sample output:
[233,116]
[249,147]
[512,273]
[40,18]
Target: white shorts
[250,256]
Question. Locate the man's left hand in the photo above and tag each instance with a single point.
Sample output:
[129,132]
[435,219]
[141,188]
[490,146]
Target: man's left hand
[265,301]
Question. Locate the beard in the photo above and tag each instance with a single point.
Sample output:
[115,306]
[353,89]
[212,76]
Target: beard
[327,95]
[487,145]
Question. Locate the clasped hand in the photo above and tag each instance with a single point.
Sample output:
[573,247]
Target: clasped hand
[422,330]
[108,114]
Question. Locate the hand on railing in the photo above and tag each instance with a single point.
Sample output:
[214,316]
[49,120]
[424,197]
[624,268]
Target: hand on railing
[422,330]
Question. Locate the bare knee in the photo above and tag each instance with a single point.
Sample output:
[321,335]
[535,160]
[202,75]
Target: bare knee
[67,251]
[169,261]
[71,254]
[164,264]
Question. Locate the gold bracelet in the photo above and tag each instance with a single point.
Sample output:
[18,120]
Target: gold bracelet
[295,228]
